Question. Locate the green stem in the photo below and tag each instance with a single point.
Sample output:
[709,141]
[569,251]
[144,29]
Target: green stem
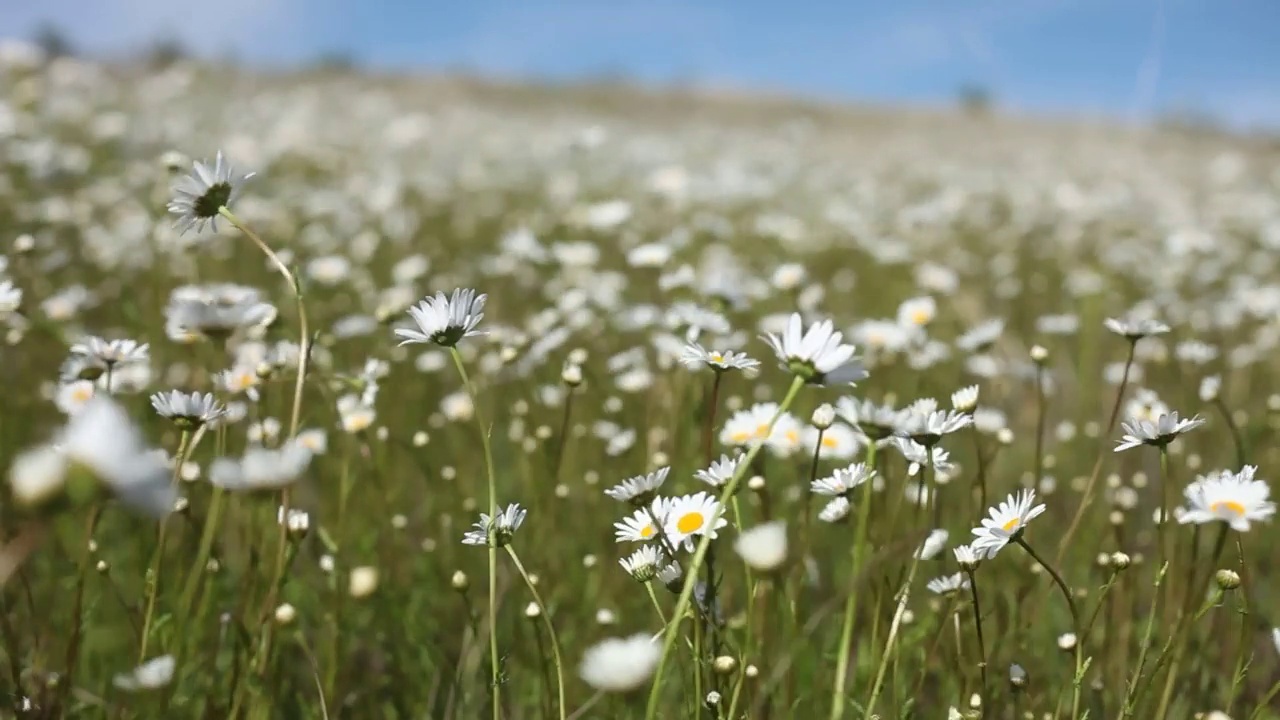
[893,633]
[982,646]
[838,701]
[1077,681]
[551,630]
[153,575]
[691,575]
[485,443]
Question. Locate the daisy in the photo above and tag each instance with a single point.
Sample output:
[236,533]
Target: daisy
[917,312]
[496,531]
[150,675]
[1234,498]
[720,471]
[356,412]
[639,490]
[103,439]
[981,337]
[918,456]
[1005,523]
[965,399]
[692,515]
[948,584]
[837,442]
[877,422]
[928,427]
[198,197]
[763,547]
[843,480]
[1157,434]
[187,410]
[694,356]
[1134,329]
[639,526]
[644,564]
[751,426]
[835,511]
[933,544]
[216,312]
[10,297]
[817,355]
[261,468]
[966,558]
[72,396]
[620,665]
[107,354]
[445,320]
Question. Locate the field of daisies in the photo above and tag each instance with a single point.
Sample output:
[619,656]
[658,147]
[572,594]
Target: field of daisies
[340,396]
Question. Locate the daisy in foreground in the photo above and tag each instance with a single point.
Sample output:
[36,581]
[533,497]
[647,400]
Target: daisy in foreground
[1005,523]
[693,515]
[1234,498]
[445,320]
[620,665]
[817,355]
[198,197]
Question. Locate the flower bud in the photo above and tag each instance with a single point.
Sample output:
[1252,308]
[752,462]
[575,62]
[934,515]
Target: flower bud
[824,416]
[362,581]
[724,664]
[571,375]
[459,581]
[1227,579]
[285,614]
[1120,560]
[1039,354]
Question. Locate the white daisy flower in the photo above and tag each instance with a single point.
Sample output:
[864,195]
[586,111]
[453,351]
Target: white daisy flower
[496,531]
[198,197]
[261,468]
[966,558]
[933,544]
[843,480]
[918,456]
[835,511]
[693,515]
[763,547]
[639,525]
[620,665]
[1134,329]
[10,297]
[1157,434]
[640,489]
[1234,498]
[927,428]
[917,312]
[750,427]
[1005,523]
[948,584]
[965,399]
[644,564]
[694,356]
[445,320]
[817,354]
[72,396]
[981,337]
[187,410]
[837,442]
[875,421]
[150,675]
[720,471]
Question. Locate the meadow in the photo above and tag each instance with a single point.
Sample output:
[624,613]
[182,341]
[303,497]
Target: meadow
[332,395]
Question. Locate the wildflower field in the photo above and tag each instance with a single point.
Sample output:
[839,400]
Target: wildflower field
[342,396]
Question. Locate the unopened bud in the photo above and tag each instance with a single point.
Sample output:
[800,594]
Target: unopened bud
[1039,354]
[285,614]
[1227,579]
[824,416]
[1120,561]
[724,664]
[571,375]
[459,581]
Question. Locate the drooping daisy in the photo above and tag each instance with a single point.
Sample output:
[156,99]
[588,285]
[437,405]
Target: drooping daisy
[694,356]
[188,411]
[1234,498]
[644,564]
[444,320]
[198,197]
[1134,329]
[837,442]
[641,489]
[843,480]
[690,516]
[720,471]
[1157,434]
[948,584]
[877,422]
[1005,522]
[496,531]
[817,355]
[835,511]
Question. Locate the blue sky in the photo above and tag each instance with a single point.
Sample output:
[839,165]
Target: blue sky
[1123,58]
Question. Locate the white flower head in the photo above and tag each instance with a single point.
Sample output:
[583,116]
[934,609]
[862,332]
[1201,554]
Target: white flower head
[1160,433]
[763,547]
[444,320]
[150,675]
[641,489]
[965,399]
[948,584]
[720,471]
[694,357]
[187,410]
[1134,329]
[620,665]
[103,439]
[261,468]
[817,355]
[691,516]
[498,530]
[198,197]
[1005,522]
[934,544]
[644,564]
[1234,498]
[843,480]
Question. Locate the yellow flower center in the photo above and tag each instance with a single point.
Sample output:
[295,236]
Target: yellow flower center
[740,436]
[1235,507]
[646,532]
[82,393]
[830,442]
[920,317]
[762,430]
[1009,526]
[875,339]
[793,436]
[716,357]
[689,522]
